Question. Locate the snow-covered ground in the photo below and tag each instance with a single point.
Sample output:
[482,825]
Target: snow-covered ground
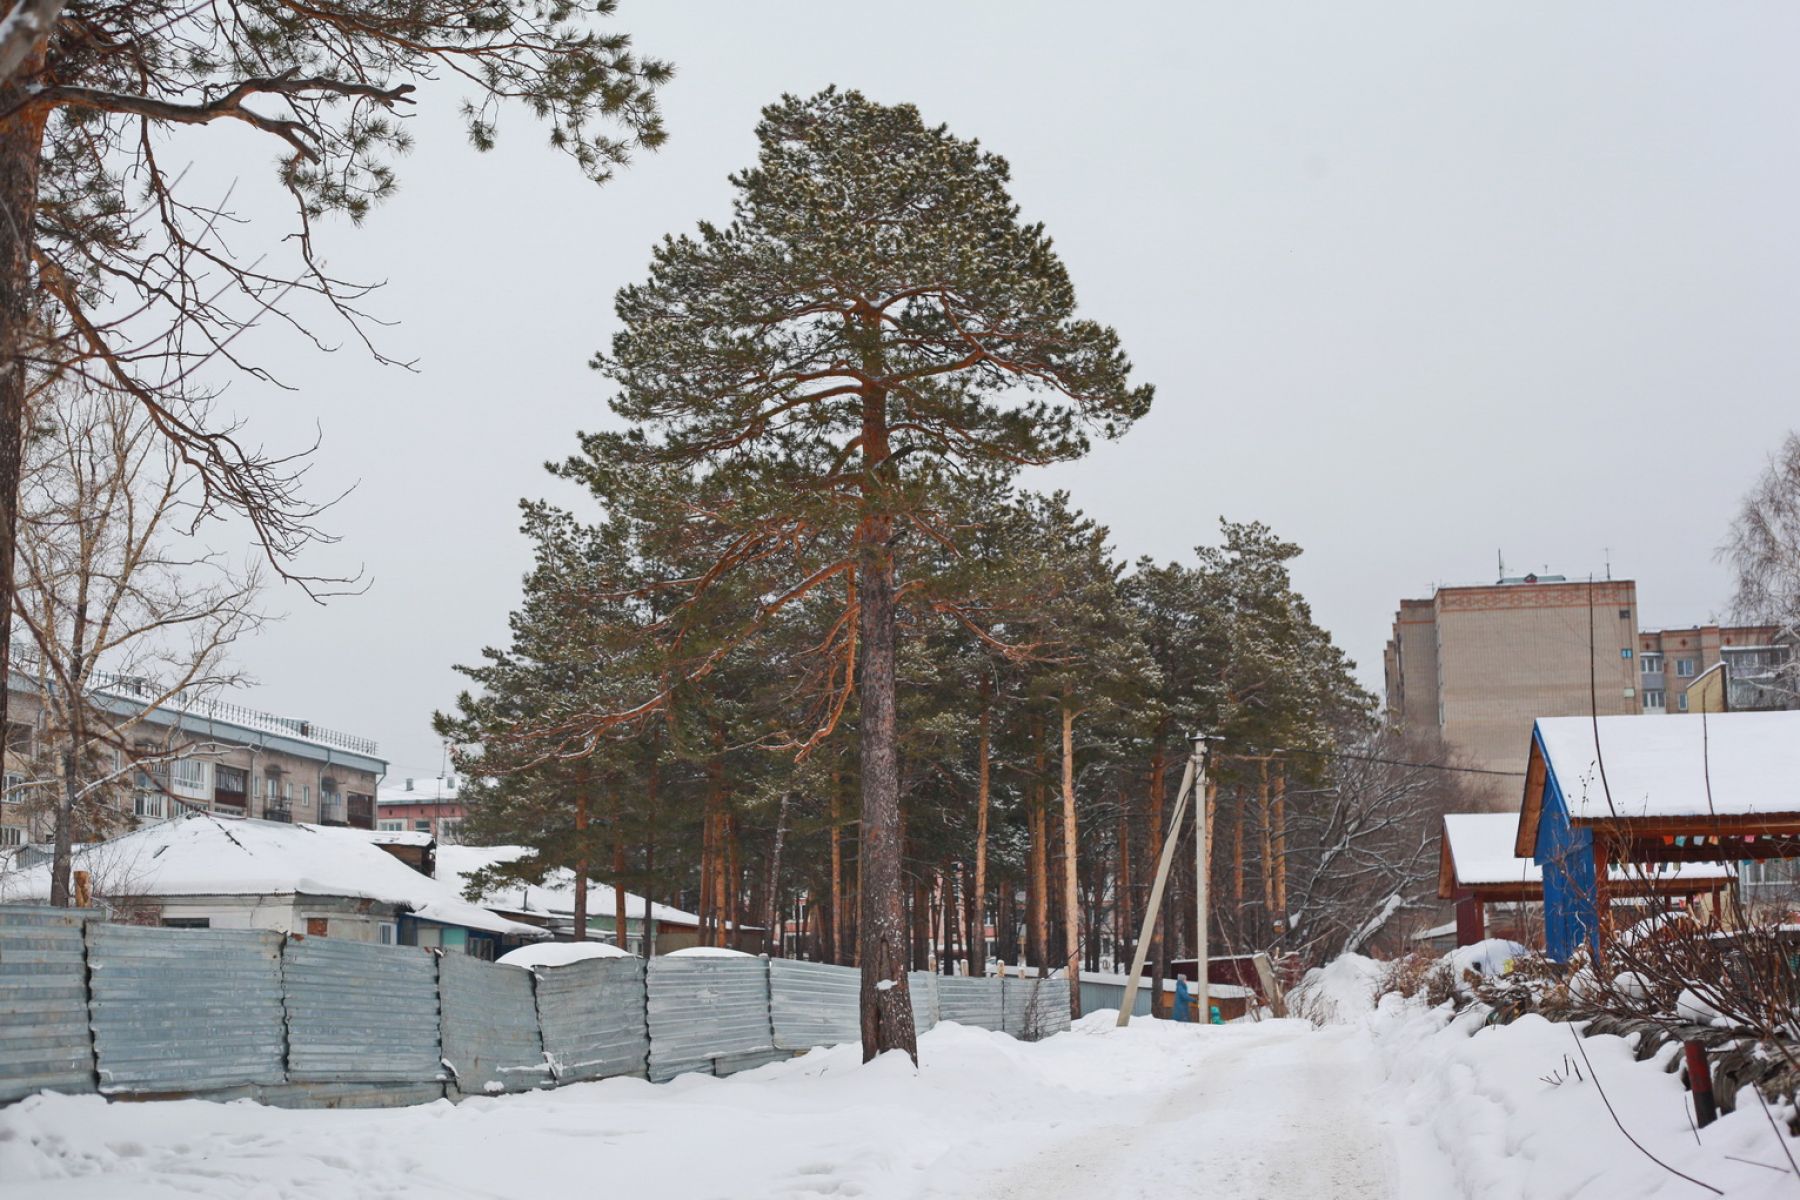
[1268,1111]
[1390,1103]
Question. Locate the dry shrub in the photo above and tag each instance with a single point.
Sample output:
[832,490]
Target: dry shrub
[1422,975]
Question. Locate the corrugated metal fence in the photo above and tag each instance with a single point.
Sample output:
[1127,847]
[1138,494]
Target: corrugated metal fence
[312,1022]
[44,1040]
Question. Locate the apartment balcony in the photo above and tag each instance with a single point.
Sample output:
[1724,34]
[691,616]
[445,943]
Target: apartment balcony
[360,812]
[282,812]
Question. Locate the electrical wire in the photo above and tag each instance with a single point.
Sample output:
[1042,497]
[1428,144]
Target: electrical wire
[1399,762]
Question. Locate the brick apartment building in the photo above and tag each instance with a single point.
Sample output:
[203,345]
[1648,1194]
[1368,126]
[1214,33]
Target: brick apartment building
[1479,664]
[435,806]
[1672,662]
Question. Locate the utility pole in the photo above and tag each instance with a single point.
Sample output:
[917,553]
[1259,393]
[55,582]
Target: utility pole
[1202,860]
[1193,785]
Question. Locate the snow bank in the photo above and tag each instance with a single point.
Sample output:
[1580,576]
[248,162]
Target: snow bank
[1494,956]
[559,954]
[709,952]
[1339,993]
[1520,1112]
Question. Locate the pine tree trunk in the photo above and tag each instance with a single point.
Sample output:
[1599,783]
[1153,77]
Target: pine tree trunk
[837,870]
[1071,890]
[1268,848]
[1281,913]
[1040,853]
[21,156]
[1153,843]
[621,918]
[977,900]
[581,862]
[649,935]
[1123,929]
[774,940]
[887,1022]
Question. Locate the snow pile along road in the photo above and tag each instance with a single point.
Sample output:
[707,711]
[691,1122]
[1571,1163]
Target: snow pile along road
[1268,1111]
[1521,1111]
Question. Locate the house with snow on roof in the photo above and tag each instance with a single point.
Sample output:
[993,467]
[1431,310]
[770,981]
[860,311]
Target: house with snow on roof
[1638,793]
[201,872]
[550,903]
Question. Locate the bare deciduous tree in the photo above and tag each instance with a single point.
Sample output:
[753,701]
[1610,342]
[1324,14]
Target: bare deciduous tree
[1763,548]
[128,614]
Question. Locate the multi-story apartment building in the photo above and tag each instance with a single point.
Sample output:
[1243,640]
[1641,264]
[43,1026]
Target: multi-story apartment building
[1671,661]
[204,755]
[1479,664]
[433,806]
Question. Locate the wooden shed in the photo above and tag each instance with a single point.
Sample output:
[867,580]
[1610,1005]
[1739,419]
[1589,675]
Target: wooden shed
[1478,865]
[1620,796]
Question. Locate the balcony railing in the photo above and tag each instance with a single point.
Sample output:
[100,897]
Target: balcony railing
[207,708]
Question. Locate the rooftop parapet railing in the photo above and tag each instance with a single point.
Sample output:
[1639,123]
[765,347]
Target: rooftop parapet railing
[210,708]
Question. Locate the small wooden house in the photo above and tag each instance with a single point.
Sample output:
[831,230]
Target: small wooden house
[1628,795]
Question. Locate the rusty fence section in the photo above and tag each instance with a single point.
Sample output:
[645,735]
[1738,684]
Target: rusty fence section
[143,1012]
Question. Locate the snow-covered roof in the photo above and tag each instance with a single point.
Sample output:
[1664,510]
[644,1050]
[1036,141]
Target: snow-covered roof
[393,837]
[418,789]
[1677,765]
[202,855]
[555,896]
[1481,851]
[559,954]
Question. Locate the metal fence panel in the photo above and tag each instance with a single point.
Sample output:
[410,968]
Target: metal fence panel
[184,1010]
[45,1044]
[923,986]
[360,1013]
[701,1010]
[1032,1008]
[1053,1007]
[814,1004]
[969,1001]
[348,1095]
[591,1018]
[489,1026]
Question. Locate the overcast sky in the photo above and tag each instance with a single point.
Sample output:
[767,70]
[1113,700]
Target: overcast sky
[1416,283]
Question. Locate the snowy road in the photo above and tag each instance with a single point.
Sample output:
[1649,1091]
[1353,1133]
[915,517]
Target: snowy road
[1272,1111]
[1263,1112]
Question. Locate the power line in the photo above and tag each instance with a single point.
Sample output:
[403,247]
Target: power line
[1400,762]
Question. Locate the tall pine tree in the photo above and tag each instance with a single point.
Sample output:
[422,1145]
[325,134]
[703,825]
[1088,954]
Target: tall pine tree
[875,321]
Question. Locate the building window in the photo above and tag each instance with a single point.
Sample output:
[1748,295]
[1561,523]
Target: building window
[147,804]
[1625,653]
[1652,664]
[1681,701]
[387,933]
[422,826]
[317,926]
[187,922]
[189,776]
[1685,667]
[12,835]
[18,737]
[391,826]
[1654,697]
[449,830]
[14,781]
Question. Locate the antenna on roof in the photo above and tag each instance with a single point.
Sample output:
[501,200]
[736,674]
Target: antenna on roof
[1607,551]
[1500,558]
